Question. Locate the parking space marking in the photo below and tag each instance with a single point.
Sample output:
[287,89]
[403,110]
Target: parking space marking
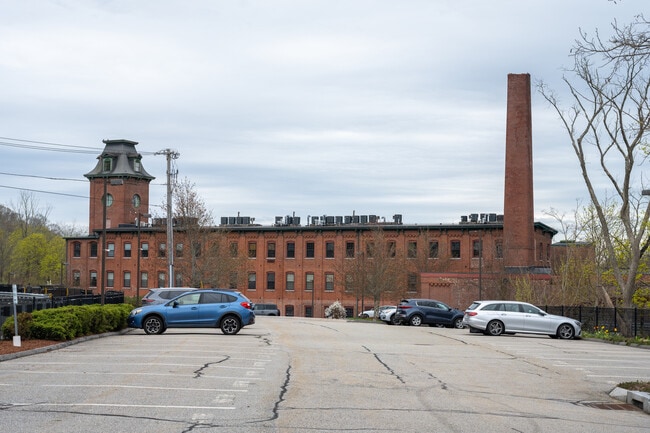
[141,406]
[160,388]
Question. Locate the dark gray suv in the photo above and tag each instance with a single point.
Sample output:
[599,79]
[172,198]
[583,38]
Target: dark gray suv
[416,312]
[162,295]
[266,310]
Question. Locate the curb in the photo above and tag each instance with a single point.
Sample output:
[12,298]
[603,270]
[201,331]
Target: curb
[60,345]
[636,398]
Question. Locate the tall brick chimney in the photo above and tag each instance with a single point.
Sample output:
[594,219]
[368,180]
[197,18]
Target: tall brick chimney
[518,215]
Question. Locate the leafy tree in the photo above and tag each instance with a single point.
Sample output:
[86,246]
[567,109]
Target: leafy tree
[607,127]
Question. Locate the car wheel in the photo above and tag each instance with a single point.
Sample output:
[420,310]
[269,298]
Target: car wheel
[153,325]
[230,325]
[393,320]
[415,320]
[494,328]
[458,323]
[565,331]
[364,316]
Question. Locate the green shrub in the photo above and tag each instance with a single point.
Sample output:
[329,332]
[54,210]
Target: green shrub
[67,323]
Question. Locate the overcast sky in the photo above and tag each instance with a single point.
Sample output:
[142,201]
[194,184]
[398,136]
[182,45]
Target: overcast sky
[314,107]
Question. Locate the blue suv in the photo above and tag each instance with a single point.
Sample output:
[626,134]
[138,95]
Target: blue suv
[224,309]
[416,312]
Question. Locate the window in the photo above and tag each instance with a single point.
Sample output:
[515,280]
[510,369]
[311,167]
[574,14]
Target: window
[162,252]
[196,248]
[252,281]
[309,282]
[329,282]
[107,164]
[178,276]
[108,200]
[127,249]
[110,279]
[329,250]
[270,281]
[309,250]
[161,279]
[433,249]
[137,166]
[110,251]
[288,310]
[93,249]
[455,249]
[145,249]
[412,282]
[76,249]
[412,249]
[291,250]
[476,248]
[370,249]
[270,250]
[179,250]
[252,250]
[136,200]
[349,250]
[291,279]
[127,279]
[144,279]
[76,278]
[390,252]
[93,279]
[234,249]
[349,282]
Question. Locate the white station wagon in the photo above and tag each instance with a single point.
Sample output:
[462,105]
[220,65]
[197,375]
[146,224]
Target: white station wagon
[511,317]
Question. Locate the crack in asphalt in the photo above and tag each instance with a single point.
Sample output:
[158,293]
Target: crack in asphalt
[199,372]
[390,370]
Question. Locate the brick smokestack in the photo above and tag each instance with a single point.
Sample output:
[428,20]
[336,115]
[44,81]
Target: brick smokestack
[518,215]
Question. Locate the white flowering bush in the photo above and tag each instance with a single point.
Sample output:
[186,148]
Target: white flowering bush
[335,311]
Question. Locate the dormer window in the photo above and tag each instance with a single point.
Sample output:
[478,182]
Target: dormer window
[136,165]
[108,164]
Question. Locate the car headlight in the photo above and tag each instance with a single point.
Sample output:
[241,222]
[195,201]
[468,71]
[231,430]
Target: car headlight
[136,311]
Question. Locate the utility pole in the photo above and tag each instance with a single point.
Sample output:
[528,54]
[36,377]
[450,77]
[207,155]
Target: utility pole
[170,155]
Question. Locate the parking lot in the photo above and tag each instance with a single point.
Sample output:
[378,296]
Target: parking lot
[296,375]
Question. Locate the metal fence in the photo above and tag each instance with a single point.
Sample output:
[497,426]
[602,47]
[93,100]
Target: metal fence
[633,322]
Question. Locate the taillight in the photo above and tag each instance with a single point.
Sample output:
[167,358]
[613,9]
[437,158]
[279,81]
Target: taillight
[246,305]
[471,313]
[404,307]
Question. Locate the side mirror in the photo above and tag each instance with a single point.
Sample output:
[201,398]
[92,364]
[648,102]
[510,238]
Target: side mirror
[175,304]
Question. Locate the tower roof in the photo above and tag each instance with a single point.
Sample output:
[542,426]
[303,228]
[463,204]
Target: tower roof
[119,159]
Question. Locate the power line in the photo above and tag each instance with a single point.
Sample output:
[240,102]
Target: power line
[43,177]
[44,192]
[42,145]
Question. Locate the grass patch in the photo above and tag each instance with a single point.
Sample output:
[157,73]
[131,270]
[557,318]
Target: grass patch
[636,386]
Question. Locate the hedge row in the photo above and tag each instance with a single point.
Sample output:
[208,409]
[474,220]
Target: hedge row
[67,323]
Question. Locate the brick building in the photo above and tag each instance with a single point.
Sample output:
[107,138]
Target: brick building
[298,266]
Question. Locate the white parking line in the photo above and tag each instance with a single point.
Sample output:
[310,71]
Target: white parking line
[146,387]
[143,406]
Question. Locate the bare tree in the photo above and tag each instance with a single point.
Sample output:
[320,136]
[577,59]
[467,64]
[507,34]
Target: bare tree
[377,269]
[30,213]
[608,127]
[206,259]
